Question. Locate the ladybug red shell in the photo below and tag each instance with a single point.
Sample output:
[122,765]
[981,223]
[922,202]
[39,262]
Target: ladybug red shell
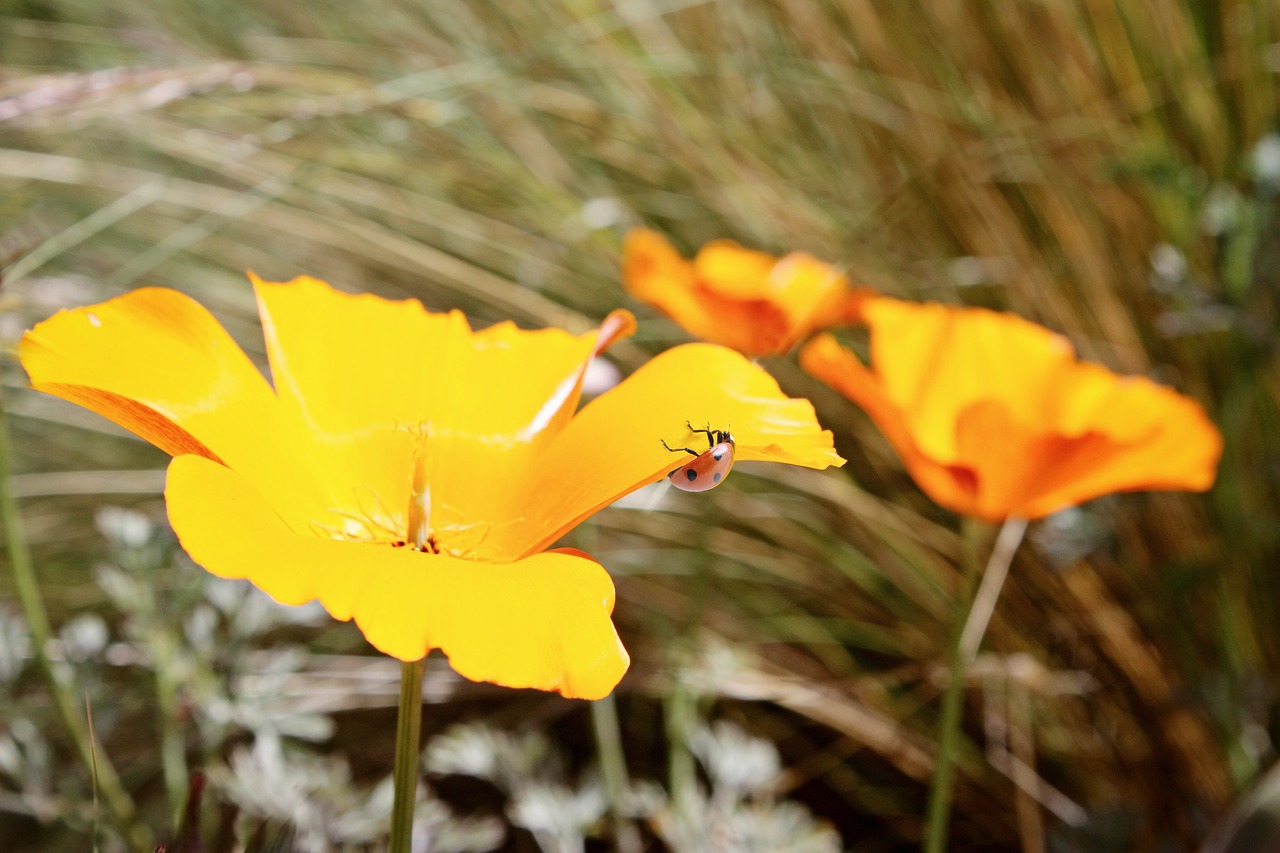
[707,469]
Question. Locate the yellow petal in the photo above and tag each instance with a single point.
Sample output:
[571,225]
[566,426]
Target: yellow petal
[614,445]
[652,270]
[542,622]
[373,382]
[159,364]
[652,266]
[1148,437]
[815,294]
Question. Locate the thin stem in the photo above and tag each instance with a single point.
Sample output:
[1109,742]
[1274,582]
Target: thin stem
[173,758]
[408,747]
[613,769]
[680,708]
[972,620]
[680,712]
[984,603]
[119,803]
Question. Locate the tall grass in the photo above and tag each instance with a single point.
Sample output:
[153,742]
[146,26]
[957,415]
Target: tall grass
[1098,166]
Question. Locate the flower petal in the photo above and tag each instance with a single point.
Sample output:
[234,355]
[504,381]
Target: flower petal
[614,445]
[542,622]
[1144,436]
[1005,399]
[951,485]
[159,364]
[934,361]
[993,426]
[653,271]
[359,372]
[729,269]
[815,294]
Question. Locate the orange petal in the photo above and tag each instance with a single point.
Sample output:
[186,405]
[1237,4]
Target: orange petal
[994,418]
[542,622]
[1156,438]
[614,445]
[1015,468]
[936,360]
[651,265]
[652,270]
[729,269]
[814,294]
[950,484]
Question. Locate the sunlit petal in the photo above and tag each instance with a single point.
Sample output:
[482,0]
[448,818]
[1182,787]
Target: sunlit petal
[815,294]
[157,363]
[614,445]
[994,417]
[360,373]
[947,482]
[187,383]
[934,361]
[542,622]
[738,297]
[653,271]
[729,269]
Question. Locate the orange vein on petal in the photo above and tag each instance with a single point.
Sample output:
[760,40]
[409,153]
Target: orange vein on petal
[159,364]
[156,362]
[542,622]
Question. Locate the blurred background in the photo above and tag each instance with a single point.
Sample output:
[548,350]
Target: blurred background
[1108,169]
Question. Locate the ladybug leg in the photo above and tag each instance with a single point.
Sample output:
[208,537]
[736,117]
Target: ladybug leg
[693,453]
[711,442]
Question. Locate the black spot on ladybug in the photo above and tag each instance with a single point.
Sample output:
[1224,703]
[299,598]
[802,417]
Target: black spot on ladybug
[671,476]
[691,474]
[715,478]
[718,456]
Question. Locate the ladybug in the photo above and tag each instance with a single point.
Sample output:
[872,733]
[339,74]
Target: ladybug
[707,468]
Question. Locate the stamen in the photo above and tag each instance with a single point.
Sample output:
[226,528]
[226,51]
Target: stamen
[420,499]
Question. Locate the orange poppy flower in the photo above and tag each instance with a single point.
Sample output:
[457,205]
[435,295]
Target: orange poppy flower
[744,299]
[406,471]
[994,416]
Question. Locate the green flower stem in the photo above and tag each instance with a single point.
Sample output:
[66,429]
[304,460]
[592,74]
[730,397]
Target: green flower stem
[976,610]
[408,747]
[173,758]
[118,802]
[680,712]
[681,705]
[613,769]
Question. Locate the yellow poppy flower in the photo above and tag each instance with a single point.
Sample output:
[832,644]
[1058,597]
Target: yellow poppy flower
[994,417]
[404,470]
[744,299]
